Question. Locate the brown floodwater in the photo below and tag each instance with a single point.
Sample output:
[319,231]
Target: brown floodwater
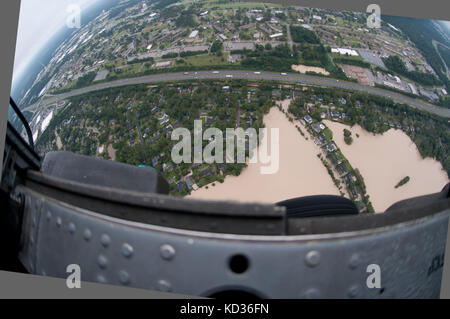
[384,160]
[300,172]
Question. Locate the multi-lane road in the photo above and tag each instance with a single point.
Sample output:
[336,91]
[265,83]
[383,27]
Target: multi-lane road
[249,75]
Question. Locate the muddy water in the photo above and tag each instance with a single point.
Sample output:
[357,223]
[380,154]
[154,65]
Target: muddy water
[300,172]
[384,160]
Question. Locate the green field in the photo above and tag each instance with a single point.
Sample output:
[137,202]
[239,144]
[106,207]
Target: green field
[205,60]
[236,5]
[328,134]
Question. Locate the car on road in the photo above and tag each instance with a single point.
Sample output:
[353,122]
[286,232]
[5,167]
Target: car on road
[257,72]
[229,76]
[186,73]
[215,72]
[282,73]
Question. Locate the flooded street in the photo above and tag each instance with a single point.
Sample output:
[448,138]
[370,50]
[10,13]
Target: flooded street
[384,160]
[300,172]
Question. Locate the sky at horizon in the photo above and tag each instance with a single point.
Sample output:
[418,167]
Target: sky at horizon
[447,24]
[39,20]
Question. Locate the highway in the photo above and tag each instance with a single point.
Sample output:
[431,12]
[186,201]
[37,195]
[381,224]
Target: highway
[249,75]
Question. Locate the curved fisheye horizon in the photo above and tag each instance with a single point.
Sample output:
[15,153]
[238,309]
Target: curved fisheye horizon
[224,61]
[38,23]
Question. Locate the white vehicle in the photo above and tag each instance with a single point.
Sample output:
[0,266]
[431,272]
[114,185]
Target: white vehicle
[186,73]
[283,73]
[229,76]
[215,72]
[258,72]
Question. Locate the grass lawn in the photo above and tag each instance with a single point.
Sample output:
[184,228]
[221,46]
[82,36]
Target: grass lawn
[205,60]
[348,166]
[234,5]
[328,134]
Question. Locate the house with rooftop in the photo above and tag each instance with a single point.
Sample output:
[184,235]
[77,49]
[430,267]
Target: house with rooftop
[164,119]
[172,180]
[180,186]
[331,147]
[217,28]
[189,182]
[155,160]
[277,29]
[247,26]
[360,206]
[342,168]
[308,119]
[222,37]
[276,93]
[322,138]
[264,29]
[354,191]
[167,167]
[297,94]
[276,35]
[316,127]
[206,172]
[334,158]
[193,34]
[335,114]
[155,109]
[350,177]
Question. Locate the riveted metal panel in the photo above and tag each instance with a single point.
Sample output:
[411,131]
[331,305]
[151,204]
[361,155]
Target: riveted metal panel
[30,229]
[118,252]
[164,210]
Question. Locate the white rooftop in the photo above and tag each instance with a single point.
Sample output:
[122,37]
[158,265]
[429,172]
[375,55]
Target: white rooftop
[345,51]
[193,34]
[276,35]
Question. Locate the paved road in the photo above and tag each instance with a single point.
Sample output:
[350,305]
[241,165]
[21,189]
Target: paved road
[250,75]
